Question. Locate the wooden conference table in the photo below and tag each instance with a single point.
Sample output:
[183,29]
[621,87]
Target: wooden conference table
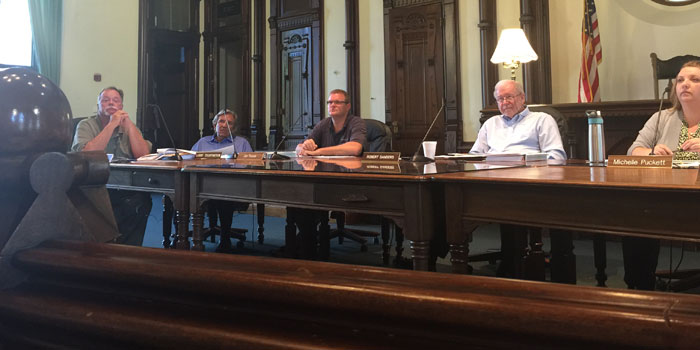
[621,201]
[403,191]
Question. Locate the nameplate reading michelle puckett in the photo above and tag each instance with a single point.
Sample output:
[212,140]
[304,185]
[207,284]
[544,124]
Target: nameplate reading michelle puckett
[641,161]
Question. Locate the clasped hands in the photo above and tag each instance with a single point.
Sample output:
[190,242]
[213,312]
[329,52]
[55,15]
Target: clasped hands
[121,118]
[307,148]
[691,145]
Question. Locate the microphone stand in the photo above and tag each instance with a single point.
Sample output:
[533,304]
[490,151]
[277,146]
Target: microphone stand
[667,91]
[417,157]
[234,154]
[162,118]
[274,155]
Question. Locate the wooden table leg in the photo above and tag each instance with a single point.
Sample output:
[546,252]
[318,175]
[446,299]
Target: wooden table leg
[563,261]
[290,235]
[168,222]
[534,260]
[197,228]
[459,252]
[181,229]
[324,240]
[459,256]
[600,259]
[261,222]
[421,255]
[386,240]
[399,238]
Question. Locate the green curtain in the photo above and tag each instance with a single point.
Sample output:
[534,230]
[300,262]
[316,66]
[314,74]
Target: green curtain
[47,27]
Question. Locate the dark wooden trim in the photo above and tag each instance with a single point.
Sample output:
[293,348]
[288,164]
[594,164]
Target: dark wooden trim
[182,299]
[453,120]
[451,54]
[537,75]
[489,39]
[312,17]
[259,74]
[142,95]
[213,36]
[352,50]
[210,64]
[275,66]
[319,98]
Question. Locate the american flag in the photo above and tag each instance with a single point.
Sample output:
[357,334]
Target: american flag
[591,55]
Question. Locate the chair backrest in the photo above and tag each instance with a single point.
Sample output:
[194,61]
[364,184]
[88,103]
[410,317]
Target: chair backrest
[378,136]
[667,69]
[74,125]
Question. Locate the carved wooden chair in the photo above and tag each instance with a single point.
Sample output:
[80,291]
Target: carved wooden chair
[667,69]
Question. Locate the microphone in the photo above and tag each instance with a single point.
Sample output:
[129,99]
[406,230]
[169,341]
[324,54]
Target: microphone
[667,91]
[234,154]
[276,156]
[417,157]
[156,108]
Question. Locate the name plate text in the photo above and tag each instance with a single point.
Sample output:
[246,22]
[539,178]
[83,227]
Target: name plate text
[251,155]
[207,155]
[641,161]
[390,168]
[381,156]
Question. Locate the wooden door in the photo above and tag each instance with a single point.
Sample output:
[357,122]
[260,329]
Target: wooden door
[168,82]
[415,75]
[297,87]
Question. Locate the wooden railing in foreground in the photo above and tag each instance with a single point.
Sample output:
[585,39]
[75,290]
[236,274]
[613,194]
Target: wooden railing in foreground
[89,295]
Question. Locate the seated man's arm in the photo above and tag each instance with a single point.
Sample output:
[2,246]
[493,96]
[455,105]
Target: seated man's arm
[350,148]
[84,140]
[307,145]
[550,139]
[139,146]
[481,144]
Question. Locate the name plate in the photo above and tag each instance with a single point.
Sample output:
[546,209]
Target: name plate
[251,155]
[207,155]
[390,168]
[381,156]
[641,161]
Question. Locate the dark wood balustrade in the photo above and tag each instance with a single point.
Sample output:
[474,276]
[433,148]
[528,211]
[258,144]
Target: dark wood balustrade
[91,295]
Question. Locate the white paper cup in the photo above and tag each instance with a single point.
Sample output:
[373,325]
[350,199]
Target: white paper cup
[429,149]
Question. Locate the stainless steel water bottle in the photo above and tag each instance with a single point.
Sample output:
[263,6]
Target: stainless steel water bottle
[596,138]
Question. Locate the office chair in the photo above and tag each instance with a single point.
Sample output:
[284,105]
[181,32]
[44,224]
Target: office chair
[222,212]
[667,69]
[378,140]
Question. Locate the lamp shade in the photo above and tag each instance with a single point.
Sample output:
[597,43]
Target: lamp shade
[513,47]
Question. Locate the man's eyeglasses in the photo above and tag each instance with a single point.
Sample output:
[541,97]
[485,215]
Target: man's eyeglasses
[336,102]
[116,100]
[507,98]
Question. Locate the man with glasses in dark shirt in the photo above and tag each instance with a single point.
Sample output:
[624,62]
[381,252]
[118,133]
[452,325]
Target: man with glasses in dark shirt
[340,135]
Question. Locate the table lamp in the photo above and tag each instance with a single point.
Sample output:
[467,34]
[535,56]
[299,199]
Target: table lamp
[513,49]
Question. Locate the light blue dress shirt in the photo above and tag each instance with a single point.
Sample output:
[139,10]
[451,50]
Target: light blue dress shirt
[209,143]
[526,132]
